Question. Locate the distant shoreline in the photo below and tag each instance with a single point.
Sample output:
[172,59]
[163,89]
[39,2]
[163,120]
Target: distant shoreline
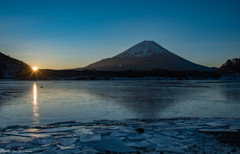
[46,74]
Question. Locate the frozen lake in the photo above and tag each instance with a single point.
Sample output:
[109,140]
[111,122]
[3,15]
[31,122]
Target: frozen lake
[26,103]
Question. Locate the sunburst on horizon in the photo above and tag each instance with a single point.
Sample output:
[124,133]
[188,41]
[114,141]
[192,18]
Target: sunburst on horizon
[34,68]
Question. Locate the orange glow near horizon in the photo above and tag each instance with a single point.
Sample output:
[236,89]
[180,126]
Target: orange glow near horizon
[34,68]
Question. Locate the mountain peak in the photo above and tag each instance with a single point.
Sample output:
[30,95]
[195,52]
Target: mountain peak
[148,41]
[143,49]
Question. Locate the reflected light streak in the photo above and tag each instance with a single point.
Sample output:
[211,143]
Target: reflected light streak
[35,104]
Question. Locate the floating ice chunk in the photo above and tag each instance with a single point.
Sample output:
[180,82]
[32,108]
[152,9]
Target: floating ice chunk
[189,133]
[181,127]
[138,144]
[14,145]
[59,134]
[112,145]
[157,138]
[169,132]
[71,151]
[160,147]
[154,140]
[52,130]
[180,136]
[119,138]
[67,141]
[159,124]
[13,133]
[218,130]
[13,128]
[237,127]
[30,130]
[36,135]
[127,130]
[50,144]
[88,150]
[134,144]
[63,147]
[145,143]
[90,137]
[170,148]
[34,149]
[117,134]
[68,123]
[81,131]
[215,124]
[66,151]
[9,138]
[189,127]
[45,141]
[49,150]
[103,132]
[145,135]
[135,137]
[16,134]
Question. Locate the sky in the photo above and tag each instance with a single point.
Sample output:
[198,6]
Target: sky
[69,34]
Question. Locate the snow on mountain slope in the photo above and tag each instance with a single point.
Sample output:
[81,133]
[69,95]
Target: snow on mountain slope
[144,49]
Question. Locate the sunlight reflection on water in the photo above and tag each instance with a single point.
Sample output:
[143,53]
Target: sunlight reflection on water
[35,105]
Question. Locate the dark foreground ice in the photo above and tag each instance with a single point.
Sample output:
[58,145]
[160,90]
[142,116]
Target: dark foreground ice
[180,135]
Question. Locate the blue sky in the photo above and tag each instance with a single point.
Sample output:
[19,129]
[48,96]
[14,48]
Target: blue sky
[68,34]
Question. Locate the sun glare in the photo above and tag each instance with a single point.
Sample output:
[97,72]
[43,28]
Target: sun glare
[35,68]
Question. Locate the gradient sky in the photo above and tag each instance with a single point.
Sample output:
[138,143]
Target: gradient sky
[69,34]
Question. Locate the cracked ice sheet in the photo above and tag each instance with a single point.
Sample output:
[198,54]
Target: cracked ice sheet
[161,137]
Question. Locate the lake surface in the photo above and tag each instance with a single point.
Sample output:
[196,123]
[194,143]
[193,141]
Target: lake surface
[26,103]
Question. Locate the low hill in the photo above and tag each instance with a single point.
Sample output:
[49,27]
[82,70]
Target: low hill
[12,68]
[230,66]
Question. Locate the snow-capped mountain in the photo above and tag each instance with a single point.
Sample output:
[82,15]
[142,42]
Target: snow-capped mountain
[146,55]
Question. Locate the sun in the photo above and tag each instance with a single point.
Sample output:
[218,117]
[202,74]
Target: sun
[34,68]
